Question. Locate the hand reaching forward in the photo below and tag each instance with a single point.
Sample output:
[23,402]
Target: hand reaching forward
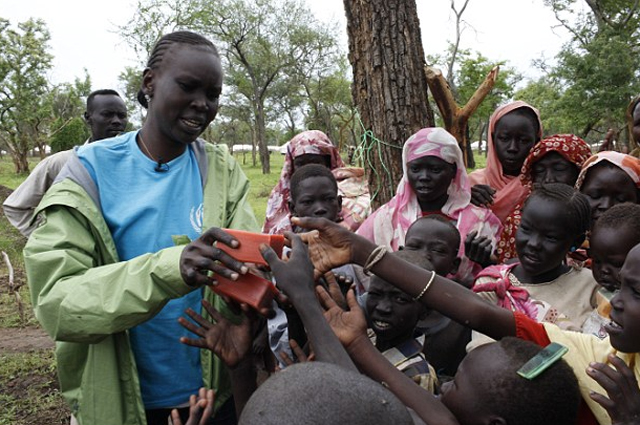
[330,245]
[295,276]
[201,257]
[349,326]
[228,341]
[621,385]
[200,409]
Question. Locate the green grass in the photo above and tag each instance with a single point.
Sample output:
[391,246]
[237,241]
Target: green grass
[29,390]
[261,184]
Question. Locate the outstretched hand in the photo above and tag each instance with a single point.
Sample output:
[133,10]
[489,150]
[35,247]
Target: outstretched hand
[350,325]
[330,245]
[201,257]
[621,385]
[295,276]
[230,342]
[200,409]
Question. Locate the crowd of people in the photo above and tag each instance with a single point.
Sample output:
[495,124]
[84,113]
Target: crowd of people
[450,304]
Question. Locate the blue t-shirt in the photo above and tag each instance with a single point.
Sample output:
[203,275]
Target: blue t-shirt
[143,209]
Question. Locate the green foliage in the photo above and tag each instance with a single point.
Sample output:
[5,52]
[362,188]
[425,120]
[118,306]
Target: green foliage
[275,54]
[24,62]
[131,81]
[73,132]
[596,74]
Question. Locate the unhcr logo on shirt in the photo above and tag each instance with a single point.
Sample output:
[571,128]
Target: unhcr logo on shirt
[195,216]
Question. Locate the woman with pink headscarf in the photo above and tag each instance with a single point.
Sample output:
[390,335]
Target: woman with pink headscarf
[435,181]
[314,147]
[513,130]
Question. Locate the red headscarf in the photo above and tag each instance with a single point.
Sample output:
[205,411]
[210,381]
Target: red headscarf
[572,148]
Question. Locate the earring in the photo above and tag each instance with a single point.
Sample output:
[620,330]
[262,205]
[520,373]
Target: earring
[147,98]
[573,249]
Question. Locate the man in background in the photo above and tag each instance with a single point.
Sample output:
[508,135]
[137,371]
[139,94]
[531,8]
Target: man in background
[106,116]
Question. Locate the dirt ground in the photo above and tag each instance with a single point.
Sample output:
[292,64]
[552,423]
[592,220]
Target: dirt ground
[22,340]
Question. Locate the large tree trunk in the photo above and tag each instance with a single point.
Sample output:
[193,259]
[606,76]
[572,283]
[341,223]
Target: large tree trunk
[262,139]
[389,88]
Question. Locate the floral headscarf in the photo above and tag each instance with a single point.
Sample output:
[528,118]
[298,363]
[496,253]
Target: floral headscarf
[308,142]
[509,189]
[572,148]
[389,224]
[628,164]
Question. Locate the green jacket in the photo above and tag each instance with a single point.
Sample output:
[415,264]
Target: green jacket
[86,299]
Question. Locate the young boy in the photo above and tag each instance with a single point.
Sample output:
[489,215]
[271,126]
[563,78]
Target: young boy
[314,193]
[437,239]
[613,235]
[392,316]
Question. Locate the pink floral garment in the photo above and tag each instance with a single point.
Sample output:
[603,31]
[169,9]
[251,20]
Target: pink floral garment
[388,225]
[352,185]
[573,149]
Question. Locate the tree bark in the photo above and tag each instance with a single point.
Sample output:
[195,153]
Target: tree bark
[389,86]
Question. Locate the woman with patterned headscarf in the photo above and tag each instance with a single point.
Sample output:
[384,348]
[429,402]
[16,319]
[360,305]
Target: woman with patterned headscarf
[314,147]
[556,159]
[435,181]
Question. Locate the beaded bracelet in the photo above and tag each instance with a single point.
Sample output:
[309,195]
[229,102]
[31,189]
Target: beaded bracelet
[375,256]
[426,287]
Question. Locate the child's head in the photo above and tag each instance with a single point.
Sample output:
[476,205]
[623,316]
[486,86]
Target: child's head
[393,314]
[612,237]
[555,159]
[487,387]
[314,193]
[317,393]
[609,178]
[181,86]
[555,219]
[513,135]
[434,170]
[624,329]
[437,240]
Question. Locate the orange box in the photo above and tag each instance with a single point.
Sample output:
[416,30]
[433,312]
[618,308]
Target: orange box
[249,289]
[249,249]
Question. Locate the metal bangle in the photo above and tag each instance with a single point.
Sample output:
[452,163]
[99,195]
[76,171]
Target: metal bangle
[426,287]
[375,256]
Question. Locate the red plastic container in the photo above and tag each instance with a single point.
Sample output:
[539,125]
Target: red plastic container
[249,249]
[249,289]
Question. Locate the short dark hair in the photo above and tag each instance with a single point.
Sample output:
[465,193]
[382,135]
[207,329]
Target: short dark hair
[302,393]
[552,398]
[165,42]
[308,171]
[445,221]
[415,258]
[575,203]
[625,216]
[101,92]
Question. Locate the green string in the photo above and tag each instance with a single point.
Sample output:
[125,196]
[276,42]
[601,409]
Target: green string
[368,146]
